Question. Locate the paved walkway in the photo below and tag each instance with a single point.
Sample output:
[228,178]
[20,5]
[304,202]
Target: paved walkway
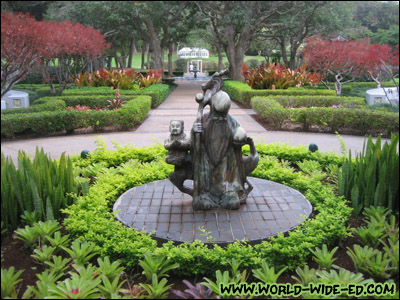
[179,105]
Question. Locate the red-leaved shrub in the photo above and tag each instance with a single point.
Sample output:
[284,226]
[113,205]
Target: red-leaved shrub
[274,76]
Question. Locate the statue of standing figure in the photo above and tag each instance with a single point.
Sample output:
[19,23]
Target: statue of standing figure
[215,163]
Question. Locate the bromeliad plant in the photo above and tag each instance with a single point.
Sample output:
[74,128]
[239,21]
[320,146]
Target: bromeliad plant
[9,280]
[274,76]
[151,77]
[116,103]
[116,79]
[156,264]
[81,252]
[323,257]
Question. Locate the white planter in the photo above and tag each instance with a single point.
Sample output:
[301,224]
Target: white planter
[15,99]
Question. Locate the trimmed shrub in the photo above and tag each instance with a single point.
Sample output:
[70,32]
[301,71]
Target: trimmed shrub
[271,111]
[362,120]
[44,123]
[92,101]
[318,101]
[43,104]
[242,93]
[157,92]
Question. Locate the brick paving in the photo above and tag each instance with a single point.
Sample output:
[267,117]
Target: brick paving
[271,208]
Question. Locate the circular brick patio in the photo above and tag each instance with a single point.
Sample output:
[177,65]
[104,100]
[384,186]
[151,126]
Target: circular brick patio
[160,207]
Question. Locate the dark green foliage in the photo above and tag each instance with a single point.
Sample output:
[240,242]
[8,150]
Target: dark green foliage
[361,120]
[43,123]
[40,185]
[91,100]
[317,101]
[242,93]
[43,104]
[372,179]
[157,92]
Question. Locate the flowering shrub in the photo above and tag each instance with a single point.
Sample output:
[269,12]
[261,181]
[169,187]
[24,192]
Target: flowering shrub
[274,76]
[117,79]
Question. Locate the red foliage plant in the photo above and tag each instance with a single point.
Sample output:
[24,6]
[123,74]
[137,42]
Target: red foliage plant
[23,44]
[151,77]
[340,59]
[116,79]
[275,76]
[26,42]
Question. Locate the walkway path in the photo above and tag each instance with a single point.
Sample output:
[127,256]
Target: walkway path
[179,105]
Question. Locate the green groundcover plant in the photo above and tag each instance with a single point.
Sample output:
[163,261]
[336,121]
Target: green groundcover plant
[91,218]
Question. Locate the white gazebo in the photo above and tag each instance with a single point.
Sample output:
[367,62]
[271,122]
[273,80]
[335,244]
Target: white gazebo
[189,52]
[193,52]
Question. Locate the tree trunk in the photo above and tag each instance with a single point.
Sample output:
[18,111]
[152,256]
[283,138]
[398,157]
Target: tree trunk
[220,58]
[131,53]
[109,62]
[338,84]
[170,51]
[122,59]
[144,49]
[235,57]
[148,57]
[155,43]
[235,53]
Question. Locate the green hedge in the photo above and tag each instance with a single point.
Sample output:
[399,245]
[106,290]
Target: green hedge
[90,100]
[157,92]
[318,101]
[243,93]
[43,104]
[43,123]
[91,219]
[33,87]
[362,120]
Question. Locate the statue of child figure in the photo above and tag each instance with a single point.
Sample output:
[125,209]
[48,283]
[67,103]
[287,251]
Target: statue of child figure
[178,144]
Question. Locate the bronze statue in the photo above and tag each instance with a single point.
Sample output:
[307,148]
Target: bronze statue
[178,145]
[215,162]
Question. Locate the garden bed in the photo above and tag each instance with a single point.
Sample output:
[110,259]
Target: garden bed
[50,122]
[104,174]
[15,254]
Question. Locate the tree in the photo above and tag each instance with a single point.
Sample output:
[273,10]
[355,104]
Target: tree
[381,18]
[371,59]
[116,23]
[70,48]
[344,59]
[316,17]
[162,23]
[237,23]
[23,45]
[35,9]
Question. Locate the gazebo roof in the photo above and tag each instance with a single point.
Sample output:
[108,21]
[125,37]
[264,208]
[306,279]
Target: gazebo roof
[193,52]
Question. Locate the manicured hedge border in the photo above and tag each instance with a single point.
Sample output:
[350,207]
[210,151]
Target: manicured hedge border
[334,119]
[43,104]
[242,92]
[318,101]
[91,219]
[90,100]
[157,92]
[43,123]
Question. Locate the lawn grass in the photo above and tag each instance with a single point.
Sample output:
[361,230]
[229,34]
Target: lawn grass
[137,59]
